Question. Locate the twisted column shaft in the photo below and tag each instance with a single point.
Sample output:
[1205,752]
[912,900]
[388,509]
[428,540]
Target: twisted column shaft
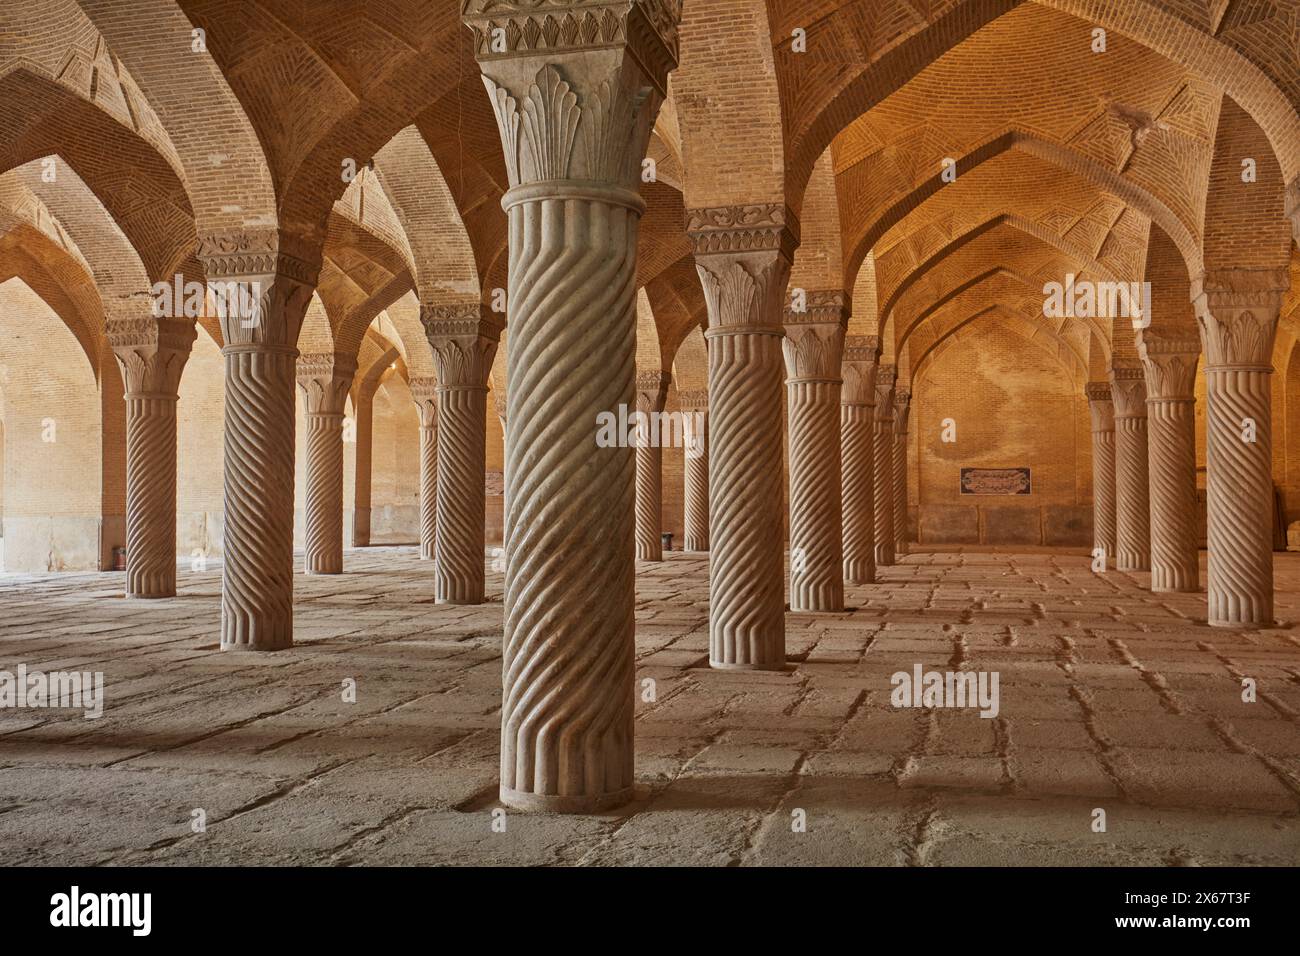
[696,498]
[743,257]
[858,456]
[257,576]
[574,123]
[152,354]
[464,340]
[813,347]
[651,393]
[1102,410]
[902,405]
[882,467]
[425,393]
[325,381]
[1132,495]
[1170,366]
[261,281]
[150,496]
[1238,311]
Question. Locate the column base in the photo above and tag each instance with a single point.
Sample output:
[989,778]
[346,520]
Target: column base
[554,803]
[723,666]
[243,648]
[150,597]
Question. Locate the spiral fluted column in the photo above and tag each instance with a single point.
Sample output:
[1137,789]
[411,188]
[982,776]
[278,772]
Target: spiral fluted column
[424,391]
[695,500]
[1102,410]
[464,340]
[902,406]
[151,353]
[499,399]
[813,345]
[1238,313]
[1132,489]
[364,409]
[325,380]
[575,115]
[1170,366]
[858,456]
[262,282]
[651,393]
[882,466]
[743,255]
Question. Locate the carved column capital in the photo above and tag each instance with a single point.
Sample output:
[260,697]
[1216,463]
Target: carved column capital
[886,375]
[1238,310]
[694,400]
[464,340]
[813,348]
[425,393]
[527,29]
[861,359]
[325,379]
[743,254]
[1170,365]
[902,408]
[1100,406]
[151,353]
[260,282]
[1128,391]
[575,85]
[651,390]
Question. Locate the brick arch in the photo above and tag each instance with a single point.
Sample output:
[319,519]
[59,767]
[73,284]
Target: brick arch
[1070,161]
[59,516]
[1172,311]
[1078,369]
[215,144]
[677,301]
[691,362]
[74,219]
[649,356]
[310,90]
[447,266]
[974,287]
[130,178]
[1245,223]
[1033,230]
[61,283]
[741,159]
[830,102]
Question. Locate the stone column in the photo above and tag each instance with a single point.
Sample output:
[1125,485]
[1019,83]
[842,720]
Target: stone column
[1238,312]
[364,405]
[902,406]
[464,341]
[651,393]
[261,282]
[1132,495]
[695,409]
[1170,366]
[499,401]
[575,109]
[1103,467]
[325,380]
[814,345]
[425,393]
[858,456]
[882,467]
[152,354]
[743,255]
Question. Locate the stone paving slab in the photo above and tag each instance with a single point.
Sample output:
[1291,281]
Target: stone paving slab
[1110,699]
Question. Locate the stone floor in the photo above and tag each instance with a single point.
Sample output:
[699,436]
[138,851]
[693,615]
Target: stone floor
[1110,698]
